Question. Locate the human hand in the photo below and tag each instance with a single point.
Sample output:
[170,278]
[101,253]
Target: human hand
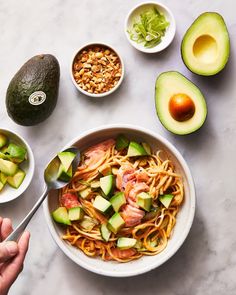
[12,255]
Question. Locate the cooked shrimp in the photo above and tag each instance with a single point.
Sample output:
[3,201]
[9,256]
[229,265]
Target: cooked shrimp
[132,215]
[94,154]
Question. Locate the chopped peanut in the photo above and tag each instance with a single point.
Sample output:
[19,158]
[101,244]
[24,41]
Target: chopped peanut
[97,69]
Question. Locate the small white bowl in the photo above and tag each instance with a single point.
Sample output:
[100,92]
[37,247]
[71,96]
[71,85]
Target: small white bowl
[184,217]
[170,31]
[104,93]
[8,193]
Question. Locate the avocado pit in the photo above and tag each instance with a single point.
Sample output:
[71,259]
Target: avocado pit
[181,107]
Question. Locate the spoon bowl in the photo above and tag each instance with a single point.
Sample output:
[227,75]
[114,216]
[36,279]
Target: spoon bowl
[52,183]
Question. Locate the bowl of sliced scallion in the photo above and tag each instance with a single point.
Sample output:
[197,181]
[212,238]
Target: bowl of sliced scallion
[150,27]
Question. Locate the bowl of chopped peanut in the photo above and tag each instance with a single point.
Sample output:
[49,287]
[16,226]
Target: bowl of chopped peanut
[97,69]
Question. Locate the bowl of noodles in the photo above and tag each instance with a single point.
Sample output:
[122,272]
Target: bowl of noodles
[129,206]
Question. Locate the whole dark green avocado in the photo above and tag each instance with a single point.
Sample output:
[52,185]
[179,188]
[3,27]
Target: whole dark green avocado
[33,91]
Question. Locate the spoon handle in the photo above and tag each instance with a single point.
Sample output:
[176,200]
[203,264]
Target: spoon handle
[14,236]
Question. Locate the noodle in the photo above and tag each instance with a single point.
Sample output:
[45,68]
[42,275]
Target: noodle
[155,228]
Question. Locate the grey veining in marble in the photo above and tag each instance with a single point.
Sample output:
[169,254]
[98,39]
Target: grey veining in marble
[206,263]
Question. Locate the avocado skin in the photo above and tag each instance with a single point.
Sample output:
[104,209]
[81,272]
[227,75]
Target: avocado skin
[40,73]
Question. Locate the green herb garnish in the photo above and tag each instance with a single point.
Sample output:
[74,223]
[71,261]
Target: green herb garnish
[149,28]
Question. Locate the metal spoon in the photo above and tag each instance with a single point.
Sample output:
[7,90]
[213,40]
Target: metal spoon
[50,177]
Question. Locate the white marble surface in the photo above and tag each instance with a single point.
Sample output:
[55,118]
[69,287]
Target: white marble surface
[206,263]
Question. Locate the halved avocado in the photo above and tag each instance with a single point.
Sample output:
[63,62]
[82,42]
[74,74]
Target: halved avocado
[180,105]
[206,46]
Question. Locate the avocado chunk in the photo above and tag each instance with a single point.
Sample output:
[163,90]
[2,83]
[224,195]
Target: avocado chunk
[126,243]
[180,105]
[3,140]
[121,142]
[106,184]
[66,159]
[76,213]
[3,178]
[32,93]
[60,215]
[117,201]
[166,199]
[64,175]
[105,232]
[205,46]
[7,167]
[147,148]
[144,200]
[85,193]
[1,185]
[101,204]
[16,153]
[115,223]
[16,180]
[135,149]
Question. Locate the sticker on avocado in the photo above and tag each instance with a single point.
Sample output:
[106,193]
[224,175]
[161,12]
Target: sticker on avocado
[37,98]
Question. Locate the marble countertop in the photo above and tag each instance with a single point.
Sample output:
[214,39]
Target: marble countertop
[206,263]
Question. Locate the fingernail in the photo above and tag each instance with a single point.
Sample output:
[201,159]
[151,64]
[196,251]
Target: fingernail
[12,248]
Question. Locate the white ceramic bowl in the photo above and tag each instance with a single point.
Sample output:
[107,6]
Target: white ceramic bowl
[170,31]
[104,93]
[8,193]
[184,218]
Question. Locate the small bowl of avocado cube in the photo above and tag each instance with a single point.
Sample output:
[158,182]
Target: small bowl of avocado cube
[16,165]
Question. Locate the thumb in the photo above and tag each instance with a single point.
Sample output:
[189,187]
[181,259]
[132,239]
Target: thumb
[8,250]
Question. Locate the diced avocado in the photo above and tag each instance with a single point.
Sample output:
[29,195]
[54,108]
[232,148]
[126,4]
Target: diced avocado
[3,178]
[17,179]
[121,142]
[88,223]
[144,200]
[95,184]
[3,140]
[105,232]
[205,47]
[1,185]
[115,223]
[7,167]
[66,159]
[64,175]
[101,204]
[17,153]
[166,199]
[126,243]
[61,215]
[147,148]
[135,149]
[106,184]
[85,193]
[117,201]
[180,105]
[76,213]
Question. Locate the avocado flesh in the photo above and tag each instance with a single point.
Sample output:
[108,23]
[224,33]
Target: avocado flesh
[61,215]
[16,180]
[40,73]
[169,84]
[66,159]
[7,167]
[205,47]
